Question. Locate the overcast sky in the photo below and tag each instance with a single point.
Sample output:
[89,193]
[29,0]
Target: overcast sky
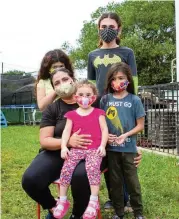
[30,28]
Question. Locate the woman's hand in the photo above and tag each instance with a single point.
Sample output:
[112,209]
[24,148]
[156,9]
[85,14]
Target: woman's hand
[111,138]
[80,141]
[138,159]
[101,151]
[64,153]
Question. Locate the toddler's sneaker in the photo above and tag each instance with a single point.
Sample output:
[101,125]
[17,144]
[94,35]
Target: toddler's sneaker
[91,210]
[61,209]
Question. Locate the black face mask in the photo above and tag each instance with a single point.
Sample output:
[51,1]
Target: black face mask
[108,34]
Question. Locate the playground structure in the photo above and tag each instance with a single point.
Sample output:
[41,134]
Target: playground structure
[18,102]
[3,120]
[21,114]
[173,70]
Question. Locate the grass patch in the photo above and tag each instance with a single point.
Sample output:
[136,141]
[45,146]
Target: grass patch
[159,177]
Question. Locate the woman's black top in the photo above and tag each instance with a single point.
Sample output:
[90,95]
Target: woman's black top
[54,116]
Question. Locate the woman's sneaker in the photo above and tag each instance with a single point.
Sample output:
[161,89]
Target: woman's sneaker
[108,206]
[74,217]
[92,210]
[117,217]
[61,209]
[49,216]
[140,217]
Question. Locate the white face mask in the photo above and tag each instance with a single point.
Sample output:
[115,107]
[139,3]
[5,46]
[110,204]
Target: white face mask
[65,90]
[85,102]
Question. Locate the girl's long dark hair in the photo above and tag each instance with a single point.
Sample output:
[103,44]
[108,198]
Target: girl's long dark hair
[113,16]
[114,69]
[51,57]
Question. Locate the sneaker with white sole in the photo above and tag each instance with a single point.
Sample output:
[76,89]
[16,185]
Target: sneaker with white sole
[139,217]
[128,208]
[117,217]
[108,206]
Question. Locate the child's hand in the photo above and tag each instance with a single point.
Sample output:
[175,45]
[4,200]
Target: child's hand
[101,151]
[111,138]
[65,153]
[121,139]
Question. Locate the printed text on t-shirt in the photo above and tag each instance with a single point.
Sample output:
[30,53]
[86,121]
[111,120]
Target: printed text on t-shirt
[120,103]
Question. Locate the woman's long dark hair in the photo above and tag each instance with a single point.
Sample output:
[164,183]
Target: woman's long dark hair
[114,69]
[113,16]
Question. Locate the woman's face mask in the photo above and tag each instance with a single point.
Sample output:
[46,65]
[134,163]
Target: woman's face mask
[65,89]
[85,102]
[119,87]
[108,34]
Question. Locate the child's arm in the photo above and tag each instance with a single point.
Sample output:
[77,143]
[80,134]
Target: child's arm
[104,133]
[65,138]
[138,128]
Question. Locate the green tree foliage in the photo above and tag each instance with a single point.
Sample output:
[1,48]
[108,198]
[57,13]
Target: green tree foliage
[14,72]
[148,27]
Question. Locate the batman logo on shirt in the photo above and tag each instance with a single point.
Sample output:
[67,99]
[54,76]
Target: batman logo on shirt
[106,60]
[111,113]
[113,116]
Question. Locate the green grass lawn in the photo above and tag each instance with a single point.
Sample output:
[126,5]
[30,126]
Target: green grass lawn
[159,177]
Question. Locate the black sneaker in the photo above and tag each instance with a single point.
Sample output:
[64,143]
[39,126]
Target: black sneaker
[50,216]
[108,205]
[139,217]
[117,217]
[74,217]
